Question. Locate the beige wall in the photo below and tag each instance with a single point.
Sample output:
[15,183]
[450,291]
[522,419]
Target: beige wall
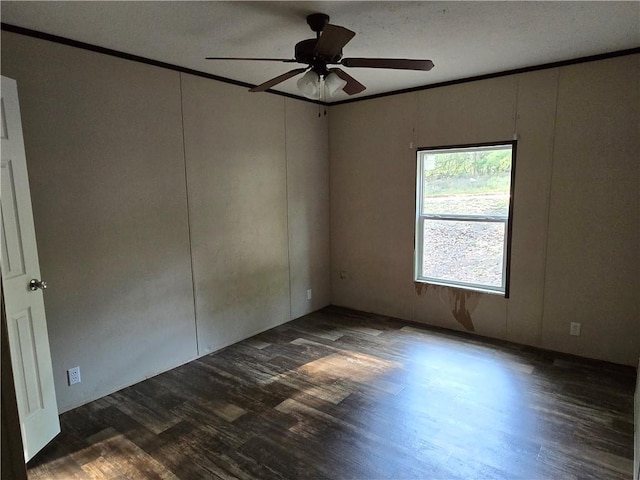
[307,147]
[575,244]
[106,171]
[236,169]
[125,202]
[372,204]
[594,232]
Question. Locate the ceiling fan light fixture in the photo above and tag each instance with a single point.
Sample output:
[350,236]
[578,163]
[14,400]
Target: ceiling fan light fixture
[309,84]
[333,83]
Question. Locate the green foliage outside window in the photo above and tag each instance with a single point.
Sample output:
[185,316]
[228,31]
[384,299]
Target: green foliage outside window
[460,173]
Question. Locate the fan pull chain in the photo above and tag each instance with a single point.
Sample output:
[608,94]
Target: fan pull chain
[322,96]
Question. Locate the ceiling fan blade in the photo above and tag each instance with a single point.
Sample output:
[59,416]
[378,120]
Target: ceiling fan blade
[274,81]
[397,63]
[332,39]
[353,86]
[287,60]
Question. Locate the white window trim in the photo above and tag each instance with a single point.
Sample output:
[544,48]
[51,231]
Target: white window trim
[421,218]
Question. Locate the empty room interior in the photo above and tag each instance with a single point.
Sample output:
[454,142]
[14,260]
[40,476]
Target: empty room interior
[413,253]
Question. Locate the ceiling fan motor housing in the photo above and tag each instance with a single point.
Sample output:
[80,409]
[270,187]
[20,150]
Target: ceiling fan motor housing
[305,53]
[317,21]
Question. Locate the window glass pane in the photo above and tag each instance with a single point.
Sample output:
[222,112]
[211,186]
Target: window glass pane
[463,251]
[467,182]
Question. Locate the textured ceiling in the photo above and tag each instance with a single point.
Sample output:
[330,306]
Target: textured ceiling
[464,39]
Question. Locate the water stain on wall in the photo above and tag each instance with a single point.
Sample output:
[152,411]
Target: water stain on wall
[420,287]
[462,303]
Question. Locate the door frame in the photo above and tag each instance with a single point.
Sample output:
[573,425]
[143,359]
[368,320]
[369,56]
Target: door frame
[12,455]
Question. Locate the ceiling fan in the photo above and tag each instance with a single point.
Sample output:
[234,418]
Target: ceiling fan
[323,51]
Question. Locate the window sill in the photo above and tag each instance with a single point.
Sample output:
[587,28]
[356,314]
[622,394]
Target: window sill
[461,286]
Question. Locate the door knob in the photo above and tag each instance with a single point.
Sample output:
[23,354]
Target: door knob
[36,284]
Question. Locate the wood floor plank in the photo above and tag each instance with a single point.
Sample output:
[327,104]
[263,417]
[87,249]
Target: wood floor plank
[340,394]
[130,460]
[102,469]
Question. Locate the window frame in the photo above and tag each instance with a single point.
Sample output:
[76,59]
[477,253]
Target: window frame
[420,219]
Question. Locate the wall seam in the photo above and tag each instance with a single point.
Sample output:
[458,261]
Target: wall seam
[286,190]
[186,185]
[550,183]
[516,117]
[330,202]
[416,136]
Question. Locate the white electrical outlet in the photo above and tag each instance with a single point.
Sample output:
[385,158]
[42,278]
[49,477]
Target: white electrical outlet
[309,294]
[574,329]
[73,375]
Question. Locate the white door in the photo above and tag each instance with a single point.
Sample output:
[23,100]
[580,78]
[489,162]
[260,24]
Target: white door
[26,322]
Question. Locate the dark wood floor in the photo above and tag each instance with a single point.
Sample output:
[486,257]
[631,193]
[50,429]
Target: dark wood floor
[340,395]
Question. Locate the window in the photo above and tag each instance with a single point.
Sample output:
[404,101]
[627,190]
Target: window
[463,211]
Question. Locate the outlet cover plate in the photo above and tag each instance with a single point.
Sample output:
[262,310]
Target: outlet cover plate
[73,375]
[574,329]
